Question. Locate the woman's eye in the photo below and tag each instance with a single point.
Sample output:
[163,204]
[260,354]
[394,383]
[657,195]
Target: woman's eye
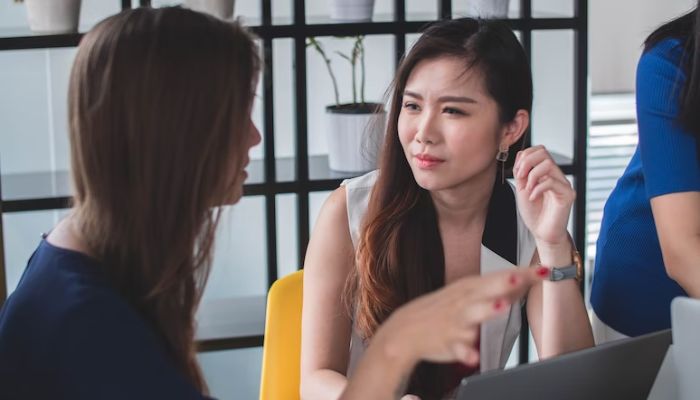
[410,106]
[453,111]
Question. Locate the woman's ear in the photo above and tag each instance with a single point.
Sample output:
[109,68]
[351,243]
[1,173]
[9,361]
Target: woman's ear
[515,129]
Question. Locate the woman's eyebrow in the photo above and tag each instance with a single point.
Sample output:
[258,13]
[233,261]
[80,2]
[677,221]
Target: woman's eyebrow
[442,99]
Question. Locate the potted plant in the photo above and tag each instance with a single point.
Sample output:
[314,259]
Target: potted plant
[53,16]
[354,130]
[352,10]
[219,8]
[488,8]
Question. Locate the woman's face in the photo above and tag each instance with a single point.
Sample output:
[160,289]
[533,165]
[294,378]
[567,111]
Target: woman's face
[253,138]
[448,124]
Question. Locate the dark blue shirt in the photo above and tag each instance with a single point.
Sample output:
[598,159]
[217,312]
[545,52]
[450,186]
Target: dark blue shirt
[65,333]
[631,291]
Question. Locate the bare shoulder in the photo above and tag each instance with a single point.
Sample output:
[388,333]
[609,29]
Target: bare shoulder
[336,206]
[330,243]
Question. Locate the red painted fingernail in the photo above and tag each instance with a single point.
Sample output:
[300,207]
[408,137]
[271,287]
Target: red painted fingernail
[513,280]
[498,304]
[543,271]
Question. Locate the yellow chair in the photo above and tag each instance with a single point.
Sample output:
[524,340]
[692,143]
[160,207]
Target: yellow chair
[282,347]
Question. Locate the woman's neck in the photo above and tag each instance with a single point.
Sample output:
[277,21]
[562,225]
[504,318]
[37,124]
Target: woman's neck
[66,235]
[466,204]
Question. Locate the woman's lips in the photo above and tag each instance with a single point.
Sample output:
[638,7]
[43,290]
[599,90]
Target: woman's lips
[426,161]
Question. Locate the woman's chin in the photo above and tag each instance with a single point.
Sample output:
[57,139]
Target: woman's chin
[428,183]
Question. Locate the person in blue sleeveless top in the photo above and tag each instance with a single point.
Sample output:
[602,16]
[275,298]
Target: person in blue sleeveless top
[160,127]
[648,251]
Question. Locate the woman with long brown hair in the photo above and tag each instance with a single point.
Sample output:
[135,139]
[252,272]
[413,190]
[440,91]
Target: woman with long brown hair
[105,308]
[160,127]
[439,209]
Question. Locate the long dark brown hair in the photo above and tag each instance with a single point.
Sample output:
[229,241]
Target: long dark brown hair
[400,254]
[157,102]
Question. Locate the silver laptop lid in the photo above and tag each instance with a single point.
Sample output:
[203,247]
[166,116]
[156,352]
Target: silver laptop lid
[685,321]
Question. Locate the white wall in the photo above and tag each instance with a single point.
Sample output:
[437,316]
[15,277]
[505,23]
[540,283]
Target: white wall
[617,29]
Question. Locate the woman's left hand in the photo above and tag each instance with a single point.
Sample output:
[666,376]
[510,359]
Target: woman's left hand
[544,195]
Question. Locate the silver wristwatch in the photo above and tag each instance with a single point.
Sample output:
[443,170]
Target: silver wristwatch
[573,271]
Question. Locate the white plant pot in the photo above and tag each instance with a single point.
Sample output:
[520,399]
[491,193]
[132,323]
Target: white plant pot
[488,8]
[354,140]
[219,8]
[352,10]
[53,16]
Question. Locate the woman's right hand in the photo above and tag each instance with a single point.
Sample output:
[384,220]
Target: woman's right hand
[443,326]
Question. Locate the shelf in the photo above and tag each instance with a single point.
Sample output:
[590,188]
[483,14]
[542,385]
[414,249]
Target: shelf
[35,191]
[52,190]
[232,323]
[285,168]
[23,38]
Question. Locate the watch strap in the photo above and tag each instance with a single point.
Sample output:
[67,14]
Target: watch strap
[572,271]
[561,273]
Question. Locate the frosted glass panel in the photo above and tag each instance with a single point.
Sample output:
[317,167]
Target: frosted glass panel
[22,234]
[282,12]
[552,8]
[240,259]
[33,110]
[421,10]
[411,39]
[287,240]
[249,10]
[13,16]
[232,374]
[285,100]
[553,78]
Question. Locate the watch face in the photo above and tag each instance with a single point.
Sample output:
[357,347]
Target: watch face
[557,274]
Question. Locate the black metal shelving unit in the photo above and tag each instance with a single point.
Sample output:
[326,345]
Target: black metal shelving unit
[306,174]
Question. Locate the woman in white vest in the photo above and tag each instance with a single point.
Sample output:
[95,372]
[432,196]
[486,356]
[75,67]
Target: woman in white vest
[437,212]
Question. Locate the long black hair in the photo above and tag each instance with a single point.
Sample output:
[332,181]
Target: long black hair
[685,29]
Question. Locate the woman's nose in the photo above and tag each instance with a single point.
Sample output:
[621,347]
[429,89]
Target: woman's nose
[427,130]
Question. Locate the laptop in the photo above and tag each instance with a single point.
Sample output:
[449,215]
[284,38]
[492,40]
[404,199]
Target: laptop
[685,321]
[623,369]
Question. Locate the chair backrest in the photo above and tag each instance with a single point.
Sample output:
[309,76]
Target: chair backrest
[282,346]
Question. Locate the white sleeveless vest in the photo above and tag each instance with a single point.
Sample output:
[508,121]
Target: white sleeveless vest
[497,335]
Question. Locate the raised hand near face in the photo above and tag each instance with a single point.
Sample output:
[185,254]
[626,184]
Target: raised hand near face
[544,195]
